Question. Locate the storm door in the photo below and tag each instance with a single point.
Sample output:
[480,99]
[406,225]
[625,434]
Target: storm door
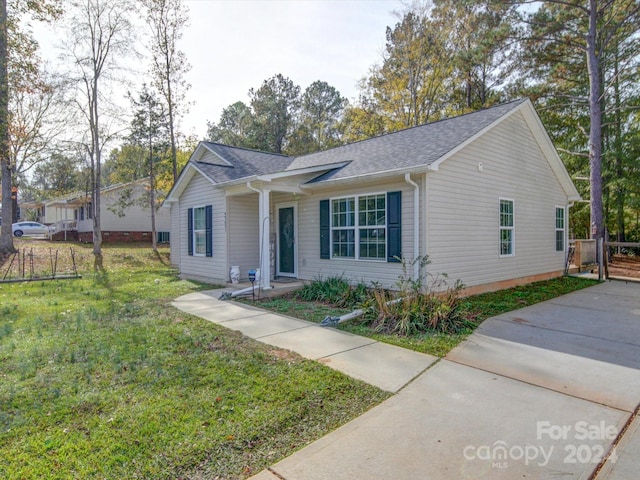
[287,250]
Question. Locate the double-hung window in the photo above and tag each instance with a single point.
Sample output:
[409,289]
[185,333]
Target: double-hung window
[343,227]
[362,227]
[560,229]
[507,228]
[200,231]
[372,223]
[359,227]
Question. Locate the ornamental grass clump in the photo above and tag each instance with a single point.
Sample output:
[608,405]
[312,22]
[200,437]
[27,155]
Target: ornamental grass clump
[422,304]
[335,291]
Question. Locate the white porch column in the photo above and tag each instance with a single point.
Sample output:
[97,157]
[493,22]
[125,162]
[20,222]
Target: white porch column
[265,234]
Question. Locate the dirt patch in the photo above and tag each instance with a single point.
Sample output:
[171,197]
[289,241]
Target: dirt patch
[35,260]
[624,266]
[284,355]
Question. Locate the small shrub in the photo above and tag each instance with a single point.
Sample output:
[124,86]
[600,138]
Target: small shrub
[333,290]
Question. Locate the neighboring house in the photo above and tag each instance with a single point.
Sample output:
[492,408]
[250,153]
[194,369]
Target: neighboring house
[124,215]
[50,212]
[484,195]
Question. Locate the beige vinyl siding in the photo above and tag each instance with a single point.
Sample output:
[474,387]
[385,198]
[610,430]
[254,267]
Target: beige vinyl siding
[463,208]
[175,243]
[57,214]
[135,218]
[311,266]
[199,193]
[244,227]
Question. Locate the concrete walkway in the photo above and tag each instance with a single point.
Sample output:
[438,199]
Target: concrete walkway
[542,392]
[385,366]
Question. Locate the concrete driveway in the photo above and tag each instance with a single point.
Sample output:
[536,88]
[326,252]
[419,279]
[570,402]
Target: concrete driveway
[545,392]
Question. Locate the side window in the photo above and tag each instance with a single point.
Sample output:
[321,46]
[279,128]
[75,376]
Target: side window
[507,228]
[560,229]
[200,231]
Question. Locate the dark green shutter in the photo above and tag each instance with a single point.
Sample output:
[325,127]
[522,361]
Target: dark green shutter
[190,231]
[394,230]
[208,211]
[325,244]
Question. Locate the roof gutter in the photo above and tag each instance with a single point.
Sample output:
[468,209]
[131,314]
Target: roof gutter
[372,176]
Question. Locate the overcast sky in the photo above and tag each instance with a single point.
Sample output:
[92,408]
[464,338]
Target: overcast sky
[233,46]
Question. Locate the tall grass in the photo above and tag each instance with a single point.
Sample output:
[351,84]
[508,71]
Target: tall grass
[424,303]
[335,291]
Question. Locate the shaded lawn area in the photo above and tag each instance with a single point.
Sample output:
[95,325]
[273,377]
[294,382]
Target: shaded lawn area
[478,308]
[101,378]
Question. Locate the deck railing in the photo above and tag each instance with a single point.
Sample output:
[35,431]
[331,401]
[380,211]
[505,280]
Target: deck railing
[66,225]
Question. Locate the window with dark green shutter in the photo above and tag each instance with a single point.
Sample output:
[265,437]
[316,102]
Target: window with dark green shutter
[363,227]
[394,224]
[325,243]
[200,231]
[190,231]
[208,231]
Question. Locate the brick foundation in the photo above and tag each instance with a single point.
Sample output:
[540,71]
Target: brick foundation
[60,236]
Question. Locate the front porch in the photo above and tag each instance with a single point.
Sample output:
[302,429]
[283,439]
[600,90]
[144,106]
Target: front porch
[279,286]
[262,234]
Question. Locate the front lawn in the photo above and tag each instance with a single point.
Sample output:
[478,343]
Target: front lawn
[477,308]
[101,378]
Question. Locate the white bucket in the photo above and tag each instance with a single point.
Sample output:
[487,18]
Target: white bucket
[235,274]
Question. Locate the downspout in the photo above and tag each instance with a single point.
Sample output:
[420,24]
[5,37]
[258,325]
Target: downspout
[238,293]
[330,321]
[416,226]
[265,258]
[566,238]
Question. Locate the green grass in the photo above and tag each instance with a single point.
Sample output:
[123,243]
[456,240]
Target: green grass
[495,303]
[101,378]
[295,307]
[478,308]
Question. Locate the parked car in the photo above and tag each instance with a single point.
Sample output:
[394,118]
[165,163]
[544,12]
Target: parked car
[30,228]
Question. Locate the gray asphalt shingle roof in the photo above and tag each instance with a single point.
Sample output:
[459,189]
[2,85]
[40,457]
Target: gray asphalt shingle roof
[246,163]
[413,147]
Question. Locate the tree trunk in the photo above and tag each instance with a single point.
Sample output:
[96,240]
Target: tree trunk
[97,183]
[6,237]
[152,188]
[174,155]
[617,145]
[595,130]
